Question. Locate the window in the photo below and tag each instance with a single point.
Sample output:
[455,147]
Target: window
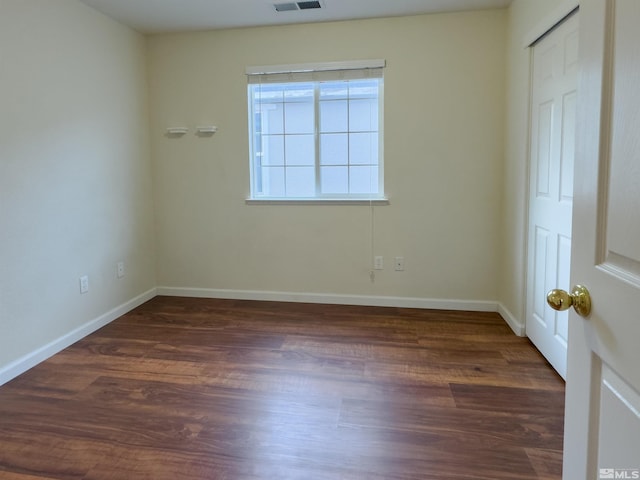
[316,134]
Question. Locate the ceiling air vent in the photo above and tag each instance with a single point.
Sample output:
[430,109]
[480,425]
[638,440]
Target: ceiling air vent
[288,7]
[308,5]
[285,7]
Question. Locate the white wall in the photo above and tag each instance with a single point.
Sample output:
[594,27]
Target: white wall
[526,19]
[75,173]
[444,109]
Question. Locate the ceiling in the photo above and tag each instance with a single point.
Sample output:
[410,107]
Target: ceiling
[161,16]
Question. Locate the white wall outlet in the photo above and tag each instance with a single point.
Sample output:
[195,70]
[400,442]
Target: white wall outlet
[378,262]
[84,284]
[120,269]
[399,264]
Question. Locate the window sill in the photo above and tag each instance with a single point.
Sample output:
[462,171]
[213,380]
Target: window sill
[316,201]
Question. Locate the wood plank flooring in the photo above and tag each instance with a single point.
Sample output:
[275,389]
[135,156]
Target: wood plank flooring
[222,389]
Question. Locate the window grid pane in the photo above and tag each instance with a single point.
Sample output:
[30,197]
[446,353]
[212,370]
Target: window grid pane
[316,139]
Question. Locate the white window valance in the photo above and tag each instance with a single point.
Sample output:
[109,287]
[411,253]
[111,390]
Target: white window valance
[315,72]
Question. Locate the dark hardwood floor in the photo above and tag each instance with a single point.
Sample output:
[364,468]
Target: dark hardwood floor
[221,389]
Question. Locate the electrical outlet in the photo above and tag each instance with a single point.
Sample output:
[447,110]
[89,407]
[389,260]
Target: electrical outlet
[120,269]
[399,264]
[84,284]
[378,262]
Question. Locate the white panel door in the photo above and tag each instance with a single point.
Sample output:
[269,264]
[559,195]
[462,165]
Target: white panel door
[602,429]
[553,119]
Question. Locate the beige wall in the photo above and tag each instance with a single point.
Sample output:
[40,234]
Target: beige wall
[444,109]
[526,19]
[75,174]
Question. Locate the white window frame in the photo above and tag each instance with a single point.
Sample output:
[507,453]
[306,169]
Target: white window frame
[315,73]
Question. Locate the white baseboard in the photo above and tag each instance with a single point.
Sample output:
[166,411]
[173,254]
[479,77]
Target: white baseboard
[364,300]
[330,298]
[23,364]
[516,325]
[30,360]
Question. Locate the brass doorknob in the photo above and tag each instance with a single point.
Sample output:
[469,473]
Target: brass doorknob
[579,298]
